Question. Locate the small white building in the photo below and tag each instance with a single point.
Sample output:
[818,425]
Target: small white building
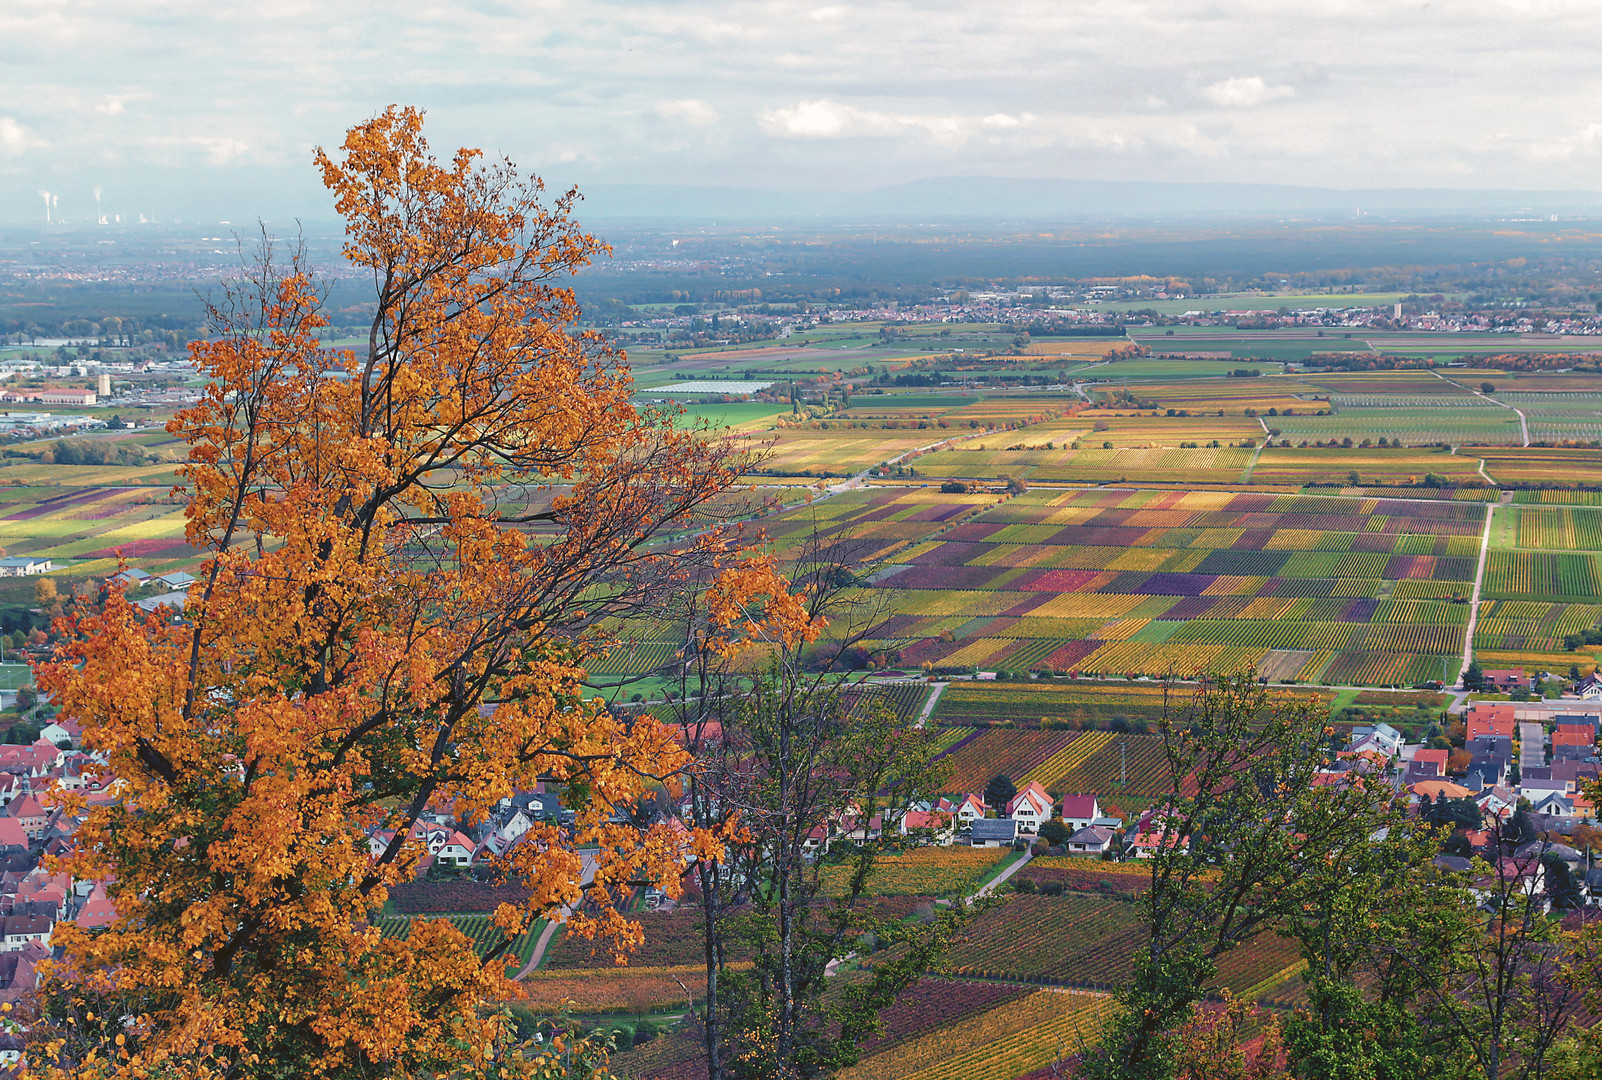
[1030,808]
[1091,840]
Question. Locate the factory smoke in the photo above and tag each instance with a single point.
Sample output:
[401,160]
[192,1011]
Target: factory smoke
[47,197]
[100,215]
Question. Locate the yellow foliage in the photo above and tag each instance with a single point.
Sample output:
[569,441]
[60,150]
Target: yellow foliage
[374,635]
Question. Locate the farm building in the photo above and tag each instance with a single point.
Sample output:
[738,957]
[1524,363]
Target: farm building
[131,578]
[23,566]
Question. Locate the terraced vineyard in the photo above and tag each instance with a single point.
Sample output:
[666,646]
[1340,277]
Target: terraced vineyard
[480,931]
[1090,942]
[1001,1043]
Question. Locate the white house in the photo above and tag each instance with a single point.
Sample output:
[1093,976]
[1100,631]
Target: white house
[21,929]
[1377,738]
[966,809]
[516,825]
[23,566]
[451,847]
[1030,808]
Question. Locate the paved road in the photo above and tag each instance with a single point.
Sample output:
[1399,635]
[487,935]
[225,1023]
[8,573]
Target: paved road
[928,706]
[1000,878]
[1474,600]
[552,925]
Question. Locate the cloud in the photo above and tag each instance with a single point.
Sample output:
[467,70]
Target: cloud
[1004,121]
[220,150]
[1244,91]
[692,112]
[113,105]
[827,120]
[1585,143]
[14,138]
[831,120]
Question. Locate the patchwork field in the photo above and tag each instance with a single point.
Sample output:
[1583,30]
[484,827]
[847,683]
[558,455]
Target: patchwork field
[1158,582]
[81,523]
[1543,582]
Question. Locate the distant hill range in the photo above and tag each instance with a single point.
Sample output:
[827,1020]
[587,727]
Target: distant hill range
[992,199]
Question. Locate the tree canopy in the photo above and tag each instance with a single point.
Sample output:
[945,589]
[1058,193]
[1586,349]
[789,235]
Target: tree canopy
[414,548]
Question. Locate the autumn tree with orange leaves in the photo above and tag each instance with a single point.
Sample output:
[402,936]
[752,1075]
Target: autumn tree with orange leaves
[414,548]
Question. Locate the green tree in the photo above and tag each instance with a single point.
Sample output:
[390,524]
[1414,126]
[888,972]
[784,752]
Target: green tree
[783,758]
[1054,832]
[1474,676]
[1252,849]
[999,790]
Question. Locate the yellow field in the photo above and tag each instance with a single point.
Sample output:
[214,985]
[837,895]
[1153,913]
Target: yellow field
[1007,1041]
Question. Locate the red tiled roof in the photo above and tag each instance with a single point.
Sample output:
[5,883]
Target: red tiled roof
[11,834]
[1078,806]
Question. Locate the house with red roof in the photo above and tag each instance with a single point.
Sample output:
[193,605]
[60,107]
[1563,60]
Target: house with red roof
[456,850]
[941,822]
[965,809]
[17,975]
[32,816]
[1507,679]
[1080,811]
[1030,808]
[1490,718]
[97,911]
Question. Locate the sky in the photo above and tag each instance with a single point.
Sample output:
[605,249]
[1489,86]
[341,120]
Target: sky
[170,107]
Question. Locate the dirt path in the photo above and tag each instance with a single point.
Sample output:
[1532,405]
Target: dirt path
[1524,424]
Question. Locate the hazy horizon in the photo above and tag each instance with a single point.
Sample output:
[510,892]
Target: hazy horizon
[214,110]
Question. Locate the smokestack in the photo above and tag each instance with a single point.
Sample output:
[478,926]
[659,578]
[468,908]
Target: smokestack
[105,378]
[100,216]
[45,195]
